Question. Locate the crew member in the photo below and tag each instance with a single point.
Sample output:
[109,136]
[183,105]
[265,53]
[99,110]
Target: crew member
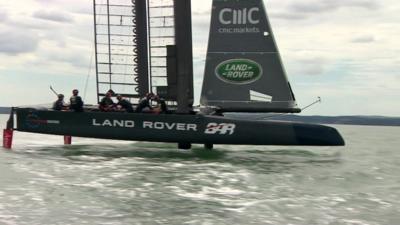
[161,105]
[106,103]
[59,105]
[76,103]
[144,104]
[124,104]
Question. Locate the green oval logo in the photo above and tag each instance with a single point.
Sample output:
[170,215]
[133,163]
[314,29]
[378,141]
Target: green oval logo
[239,71]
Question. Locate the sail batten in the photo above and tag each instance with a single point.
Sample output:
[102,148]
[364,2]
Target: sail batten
[235,52]
[244,71]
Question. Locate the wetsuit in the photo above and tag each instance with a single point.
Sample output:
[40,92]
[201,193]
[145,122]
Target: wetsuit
[106,104]
[144,103]
[125,104]
[76,104]
[162,105]
[58,105]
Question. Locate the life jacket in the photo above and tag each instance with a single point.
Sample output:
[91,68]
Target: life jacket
[58,105]
[76,103]
[144,103]
[73,100]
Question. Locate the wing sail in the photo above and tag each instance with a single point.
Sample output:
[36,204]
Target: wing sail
[244,71]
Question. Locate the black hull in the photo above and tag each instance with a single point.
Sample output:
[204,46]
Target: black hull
[197,129]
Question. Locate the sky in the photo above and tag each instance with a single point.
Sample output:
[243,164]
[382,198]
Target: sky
[345,51]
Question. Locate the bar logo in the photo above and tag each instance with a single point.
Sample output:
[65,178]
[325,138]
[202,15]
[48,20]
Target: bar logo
[220,128]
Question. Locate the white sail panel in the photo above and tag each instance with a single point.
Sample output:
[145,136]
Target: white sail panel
[260,97]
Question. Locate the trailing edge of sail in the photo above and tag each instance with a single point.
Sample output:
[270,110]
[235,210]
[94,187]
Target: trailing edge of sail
[244,71]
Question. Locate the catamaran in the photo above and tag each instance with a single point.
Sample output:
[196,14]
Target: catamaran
[145,46]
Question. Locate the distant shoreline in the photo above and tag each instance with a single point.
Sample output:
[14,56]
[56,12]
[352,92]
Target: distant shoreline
[339,120]
[5,110]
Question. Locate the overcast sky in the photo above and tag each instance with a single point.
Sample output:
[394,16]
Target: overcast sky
[345,51]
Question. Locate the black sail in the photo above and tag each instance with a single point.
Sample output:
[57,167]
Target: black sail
[244,71]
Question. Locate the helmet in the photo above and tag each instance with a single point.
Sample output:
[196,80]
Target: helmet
[111,92]
[149,95]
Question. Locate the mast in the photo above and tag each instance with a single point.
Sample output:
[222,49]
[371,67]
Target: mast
[142,33]
[184,55]
[95,48]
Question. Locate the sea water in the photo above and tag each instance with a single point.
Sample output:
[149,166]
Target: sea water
[112,182]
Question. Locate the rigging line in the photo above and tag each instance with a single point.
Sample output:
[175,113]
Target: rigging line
[97,21]
[319,100]
[88,75]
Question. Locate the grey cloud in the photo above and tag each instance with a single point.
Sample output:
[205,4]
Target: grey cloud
[49,1]
[30,24]
[84,10]
[364,39]
[3,15]
[313,66]
[329,5]
[72,6]
[289,16]
[68,57]
[301,10]
[17,42]
[53,16]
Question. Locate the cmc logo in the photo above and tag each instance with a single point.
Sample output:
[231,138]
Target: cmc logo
[229,16]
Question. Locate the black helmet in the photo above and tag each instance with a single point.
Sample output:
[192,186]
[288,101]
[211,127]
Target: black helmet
[149,95]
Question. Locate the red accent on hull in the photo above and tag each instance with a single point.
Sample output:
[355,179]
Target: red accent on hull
[7,138]
[67,140]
